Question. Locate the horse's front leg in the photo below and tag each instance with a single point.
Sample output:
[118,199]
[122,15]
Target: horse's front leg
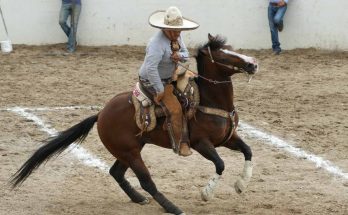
[236,143]
[207,150]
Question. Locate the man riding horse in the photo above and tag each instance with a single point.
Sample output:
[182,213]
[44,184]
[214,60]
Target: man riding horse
[214,123]
[164,50]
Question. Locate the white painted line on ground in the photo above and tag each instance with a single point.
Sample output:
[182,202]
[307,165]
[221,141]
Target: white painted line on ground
[42,126]
[248,130]
[81,153]
[279,143]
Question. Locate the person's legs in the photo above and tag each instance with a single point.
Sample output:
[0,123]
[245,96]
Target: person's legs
[272,10]
[63,17]
[177,120]
[75,15]
[178,131]
[278,17]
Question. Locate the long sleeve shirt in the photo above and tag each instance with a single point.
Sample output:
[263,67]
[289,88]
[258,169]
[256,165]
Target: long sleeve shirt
[277,1]
[157,64]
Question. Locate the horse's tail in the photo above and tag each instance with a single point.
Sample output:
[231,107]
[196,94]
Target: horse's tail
[54,146]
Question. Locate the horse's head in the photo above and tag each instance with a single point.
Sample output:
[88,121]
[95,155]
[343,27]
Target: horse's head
[224,59]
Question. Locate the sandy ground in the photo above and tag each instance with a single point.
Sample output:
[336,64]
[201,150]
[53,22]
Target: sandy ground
[299,96]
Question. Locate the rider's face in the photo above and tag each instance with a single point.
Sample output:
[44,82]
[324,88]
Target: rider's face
[172,35]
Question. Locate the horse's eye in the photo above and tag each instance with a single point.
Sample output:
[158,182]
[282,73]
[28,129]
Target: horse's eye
[225,60]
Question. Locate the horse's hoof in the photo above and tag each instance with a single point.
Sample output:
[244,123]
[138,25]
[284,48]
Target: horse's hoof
[240,186]
[237,189]
[206,196]
[145,202]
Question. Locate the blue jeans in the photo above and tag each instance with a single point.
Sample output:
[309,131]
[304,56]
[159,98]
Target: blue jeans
[70,31]
[275,18]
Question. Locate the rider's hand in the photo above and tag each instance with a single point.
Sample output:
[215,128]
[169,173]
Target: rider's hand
[175,57]
[158,97]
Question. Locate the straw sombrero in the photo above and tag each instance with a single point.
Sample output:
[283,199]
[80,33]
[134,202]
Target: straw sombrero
[171,19]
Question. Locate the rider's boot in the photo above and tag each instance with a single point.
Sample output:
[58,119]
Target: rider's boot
[177,124]
[185,141]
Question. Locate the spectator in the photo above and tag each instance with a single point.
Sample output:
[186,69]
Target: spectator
[276,12]
[70,8]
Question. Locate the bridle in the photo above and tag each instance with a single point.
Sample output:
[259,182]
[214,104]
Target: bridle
[218,63]
[221,64]
[235,68]
[215,111]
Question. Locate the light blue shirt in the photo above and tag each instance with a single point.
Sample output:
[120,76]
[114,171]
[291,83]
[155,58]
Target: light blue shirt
[157,64]
[277,1]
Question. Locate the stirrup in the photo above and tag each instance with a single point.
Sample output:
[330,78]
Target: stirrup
[185,140]
[175,146]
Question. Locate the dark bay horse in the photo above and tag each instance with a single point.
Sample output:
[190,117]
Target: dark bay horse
[214,125]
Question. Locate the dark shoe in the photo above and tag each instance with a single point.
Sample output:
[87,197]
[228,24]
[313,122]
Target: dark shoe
[185,149]
[71,50]
[276,52]
[280,27]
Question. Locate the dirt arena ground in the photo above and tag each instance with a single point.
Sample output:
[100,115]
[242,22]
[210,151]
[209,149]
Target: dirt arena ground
[300,96]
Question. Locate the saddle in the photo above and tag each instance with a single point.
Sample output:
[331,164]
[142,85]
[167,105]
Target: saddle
[187,92]
[146,111]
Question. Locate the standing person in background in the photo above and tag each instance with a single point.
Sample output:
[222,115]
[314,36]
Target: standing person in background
[70,8]
[276,12]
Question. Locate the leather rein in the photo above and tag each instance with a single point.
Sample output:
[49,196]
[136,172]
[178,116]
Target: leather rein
[216,62]
[216,111]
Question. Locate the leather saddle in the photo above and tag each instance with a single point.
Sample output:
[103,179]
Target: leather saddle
[146,111]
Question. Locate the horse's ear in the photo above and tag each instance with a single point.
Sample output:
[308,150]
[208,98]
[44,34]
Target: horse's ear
[210,37]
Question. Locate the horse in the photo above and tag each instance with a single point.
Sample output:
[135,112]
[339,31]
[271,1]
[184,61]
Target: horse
[213,125]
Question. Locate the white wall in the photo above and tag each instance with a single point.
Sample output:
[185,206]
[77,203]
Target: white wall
[308,23]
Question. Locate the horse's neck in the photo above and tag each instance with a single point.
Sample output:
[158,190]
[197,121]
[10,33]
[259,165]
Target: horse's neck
[219,95]
[216,95]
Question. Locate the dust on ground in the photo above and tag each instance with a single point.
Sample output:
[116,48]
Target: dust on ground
[299,96]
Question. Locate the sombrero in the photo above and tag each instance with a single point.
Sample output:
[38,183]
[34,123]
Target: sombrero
[171,19]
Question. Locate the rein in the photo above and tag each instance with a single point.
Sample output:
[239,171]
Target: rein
[215,111]
[229,66]
[201,76]
[204,78]
[221,64]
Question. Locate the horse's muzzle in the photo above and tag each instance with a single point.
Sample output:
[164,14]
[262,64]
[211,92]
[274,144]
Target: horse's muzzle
[251,68]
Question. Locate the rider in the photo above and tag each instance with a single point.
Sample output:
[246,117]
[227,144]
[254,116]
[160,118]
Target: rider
[164,50]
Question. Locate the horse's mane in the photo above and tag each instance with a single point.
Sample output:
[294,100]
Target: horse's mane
[214,44]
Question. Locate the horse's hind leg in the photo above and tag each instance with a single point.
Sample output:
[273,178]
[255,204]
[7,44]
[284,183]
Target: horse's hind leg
[139,168]
[207,150]
[118,171]
[236,143]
